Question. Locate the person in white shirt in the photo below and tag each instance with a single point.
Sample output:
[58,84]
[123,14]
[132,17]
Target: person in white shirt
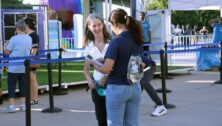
[96,44]
[177,30]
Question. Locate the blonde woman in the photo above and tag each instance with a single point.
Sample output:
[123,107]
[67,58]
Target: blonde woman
[96,44]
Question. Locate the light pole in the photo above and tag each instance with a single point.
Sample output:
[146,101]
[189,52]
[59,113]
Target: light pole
[133,8]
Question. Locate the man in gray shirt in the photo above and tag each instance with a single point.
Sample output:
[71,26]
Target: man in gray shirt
[19,45]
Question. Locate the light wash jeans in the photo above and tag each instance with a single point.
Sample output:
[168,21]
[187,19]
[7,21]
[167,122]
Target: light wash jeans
[122,104]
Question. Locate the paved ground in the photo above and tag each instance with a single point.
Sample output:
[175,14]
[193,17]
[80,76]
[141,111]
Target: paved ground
[198,103]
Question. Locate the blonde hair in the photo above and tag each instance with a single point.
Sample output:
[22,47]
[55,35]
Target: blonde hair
[88,35]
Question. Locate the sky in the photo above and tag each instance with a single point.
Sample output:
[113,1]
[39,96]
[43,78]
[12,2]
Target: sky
[31,1]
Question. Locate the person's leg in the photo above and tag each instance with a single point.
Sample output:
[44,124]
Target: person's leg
[100,108]
[145,48]
[147,77]
[33,86]
[12,79]
[22,88]
[116,97]
[132,107]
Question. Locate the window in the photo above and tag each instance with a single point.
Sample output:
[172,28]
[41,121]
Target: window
[10,19]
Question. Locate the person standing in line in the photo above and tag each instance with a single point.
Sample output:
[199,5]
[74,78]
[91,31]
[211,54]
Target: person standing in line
[203,31]
[122,97]
[96,44]
[146,31]
[18,46]
[217,29]
[148,75]
[145,83]
[30,29]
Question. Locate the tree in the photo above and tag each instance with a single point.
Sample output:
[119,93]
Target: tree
[199,18]
[157,5]
[13,4]
[196,17]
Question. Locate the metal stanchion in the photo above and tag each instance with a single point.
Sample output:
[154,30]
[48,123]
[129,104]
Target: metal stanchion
[163,80]
[166,61]
[1,72]
[1,99]
[52,109]
[59,90]
[220,81]
[27,101]
[166,71]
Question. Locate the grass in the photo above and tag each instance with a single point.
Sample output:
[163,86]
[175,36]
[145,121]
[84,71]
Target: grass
[71,72]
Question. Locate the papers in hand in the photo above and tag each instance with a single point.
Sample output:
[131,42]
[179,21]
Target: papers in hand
[147,68]
[93,61]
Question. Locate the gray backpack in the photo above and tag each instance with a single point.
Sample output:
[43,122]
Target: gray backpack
[135,68]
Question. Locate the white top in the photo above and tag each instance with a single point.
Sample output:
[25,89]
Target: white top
[93,51]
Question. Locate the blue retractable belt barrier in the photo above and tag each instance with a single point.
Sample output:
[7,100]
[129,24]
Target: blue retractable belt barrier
[23,57]
[152,44]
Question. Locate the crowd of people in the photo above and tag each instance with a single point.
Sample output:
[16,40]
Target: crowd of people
[188,30]
[119,104]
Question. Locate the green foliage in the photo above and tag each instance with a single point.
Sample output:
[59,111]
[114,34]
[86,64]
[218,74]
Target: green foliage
[198,18]
[157,5]
[13,4]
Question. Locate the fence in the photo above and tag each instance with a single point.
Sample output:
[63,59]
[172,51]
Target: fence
[186,42]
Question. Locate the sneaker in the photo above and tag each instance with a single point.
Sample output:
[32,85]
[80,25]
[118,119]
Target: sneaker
[159,111]
[22,108]
[10,109]
[34,102]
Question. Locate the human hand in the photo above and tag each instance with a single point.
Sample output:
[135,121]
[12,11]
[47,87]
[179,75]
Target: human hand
[103,80]
[101,60]
[91,84]
[5,45]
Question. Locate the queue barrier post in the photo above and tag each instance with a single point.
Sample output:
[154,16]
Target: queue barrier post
[166,71]
[166,61]
[220,81]
[27,101]
[51,109]
[163,80]
[1,97]
[60,90]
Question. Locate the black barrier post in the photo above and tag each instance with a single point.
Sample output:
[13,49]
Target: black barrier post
[163,80]
[166,61]
[220,81]
[59,90]
[27,101]
[1,72]
[165,65]
[1,99]
[52,109]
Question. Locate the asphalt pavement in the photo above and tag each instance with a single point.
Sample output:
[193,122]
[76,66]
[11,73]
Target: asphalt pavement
[197,99]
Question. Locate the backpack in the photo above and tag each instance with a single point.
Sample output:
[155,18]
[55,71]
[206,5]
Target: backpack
[135,68]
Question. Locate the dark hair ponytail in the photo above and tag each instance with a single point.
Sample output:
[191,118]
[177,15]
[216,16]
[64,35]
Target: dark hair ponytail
[31,23]
[136,29]
[120,16]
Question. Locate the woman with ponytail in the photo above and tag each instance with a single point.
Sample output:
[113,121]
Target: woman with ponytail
[122,97]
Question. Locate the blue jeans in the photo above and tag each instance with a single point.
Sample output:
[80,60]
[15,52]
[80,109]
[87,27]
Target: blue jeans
[122,104]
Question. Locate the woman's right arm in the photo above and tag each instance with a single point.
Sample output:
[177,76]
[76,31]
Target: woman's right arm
[87,74]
